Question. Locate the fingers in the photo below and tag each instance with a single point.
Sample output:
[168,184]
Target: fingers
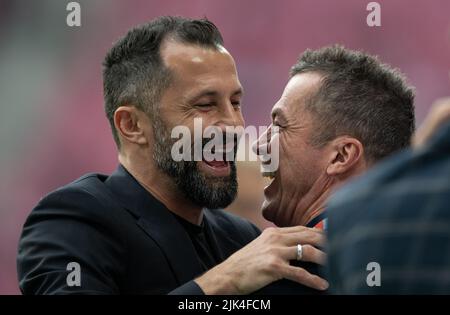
[311,237]
[312,254]
[309,254]
[266,259]
[302,276]
[294,229]
[439,115]
[299,235]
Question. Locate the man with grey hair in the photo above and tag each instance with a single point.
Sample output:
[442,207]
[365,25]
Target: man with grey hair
[341,112]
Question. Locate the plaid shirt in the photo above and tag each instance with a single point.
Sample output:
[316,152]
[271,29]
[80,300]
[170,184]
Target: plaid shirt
[397,215]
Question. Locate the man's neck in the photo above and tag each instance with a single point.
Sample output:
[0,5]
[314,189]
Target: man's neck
[315,209]
[163,188]
[313,204]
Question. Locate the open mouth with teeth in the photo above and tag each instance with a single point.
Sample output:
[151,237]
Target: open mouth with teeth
[270,175]
[215,163]
[266,169]
[219,166]
[268,172]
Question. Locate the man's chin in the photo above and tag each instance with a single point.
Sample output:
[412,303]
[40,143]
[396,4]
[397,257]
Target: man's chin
[210,190]
[271,212]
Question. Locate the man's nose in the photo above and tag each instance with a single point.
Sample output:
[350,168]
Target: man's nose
[230,117]
[262,145]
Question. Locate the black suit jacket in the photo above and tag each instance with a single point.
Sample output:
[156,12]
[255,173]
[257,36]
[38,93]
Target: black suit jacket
[125,241]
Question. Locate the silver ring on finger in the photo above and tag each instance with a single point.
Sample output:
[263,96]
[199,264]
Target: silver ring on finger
[299,252]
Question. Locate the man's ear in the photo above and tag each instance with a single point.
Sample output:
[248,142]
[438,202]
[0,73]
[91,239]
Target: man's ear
[347,152]
[130,122]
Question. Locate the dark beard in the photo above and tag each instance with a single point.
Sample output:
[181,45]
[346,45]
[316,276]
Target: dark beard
[204,191]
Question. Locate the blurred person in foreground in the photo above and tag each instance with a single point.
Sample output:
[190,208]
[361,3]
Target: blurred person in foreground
[155,225]
[341,112]
[398,217]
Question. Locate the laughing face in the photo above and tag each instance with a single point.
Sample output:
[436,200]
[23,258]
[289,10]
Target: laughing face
[301,175]
[204,85]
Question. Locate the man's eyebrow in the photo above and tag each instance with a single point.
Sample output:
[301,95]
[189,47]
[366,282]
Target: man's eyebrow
[238,92]
[204,93]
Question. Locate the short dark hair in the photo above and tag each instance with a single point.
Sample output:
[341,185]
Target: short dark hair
[133,71]
[361,97]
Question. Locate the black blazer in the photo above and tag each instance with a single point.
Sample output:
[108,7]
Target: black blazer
[125,241]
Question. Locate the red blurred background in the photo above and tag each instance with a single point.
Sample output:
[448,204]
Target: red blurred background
[52,124]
